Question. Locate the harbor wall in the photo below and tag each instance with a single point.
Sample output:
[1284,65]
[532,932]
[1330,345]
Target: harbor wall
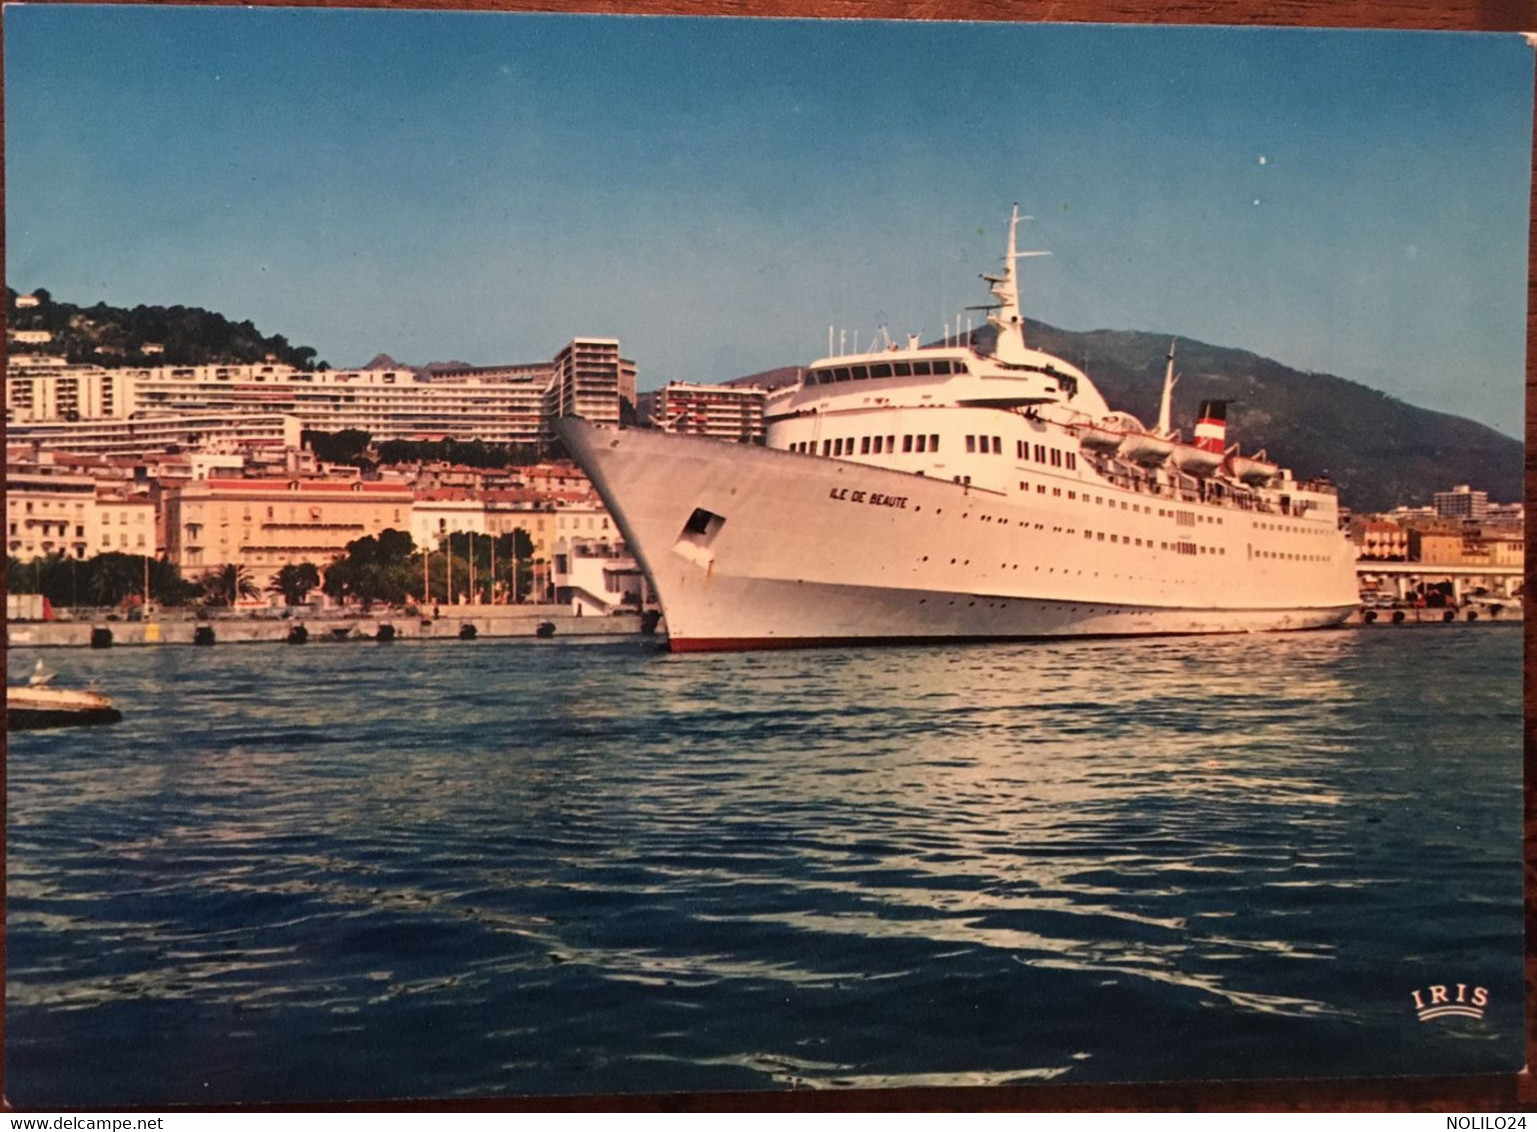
[486,620]
[498,621]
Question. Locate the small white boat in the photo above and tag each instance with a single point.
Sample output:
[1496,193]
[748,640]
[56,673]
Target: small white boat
[37,705]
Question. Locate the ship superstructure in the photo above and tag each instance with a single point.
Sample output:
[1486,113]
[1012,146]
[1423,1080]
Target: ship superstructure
[921,493]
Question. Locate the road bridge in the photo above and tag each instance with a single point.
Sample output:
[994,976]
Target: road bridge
[1405,576]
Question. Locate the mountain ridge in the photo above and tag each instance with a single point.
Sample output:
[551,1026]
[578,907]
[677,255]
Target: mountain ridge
[1382,452]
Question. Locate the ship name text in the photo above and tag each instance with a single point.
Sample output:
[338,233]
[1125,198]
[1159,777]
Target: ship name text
[873,498]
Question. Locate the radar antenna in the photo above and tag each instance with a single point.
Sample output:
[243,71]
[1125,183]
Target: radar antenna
[1006,317]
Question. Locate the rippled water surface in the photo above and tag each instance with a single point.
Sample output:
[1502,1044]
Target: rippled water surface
[352,870]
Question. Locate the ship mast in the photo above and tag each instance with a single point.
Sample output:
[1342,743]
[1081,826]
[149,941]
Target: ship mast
[1005,317]
[1165,406]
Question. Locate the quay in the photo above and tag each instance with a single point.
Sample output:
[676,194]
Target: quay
[529,621]
[455,623]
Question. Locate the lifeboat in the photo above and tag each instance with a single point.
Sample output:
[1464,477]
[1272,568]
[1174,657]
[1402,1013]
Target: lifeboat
[1100,437]
[1195,461]
[1255,471]
[1146,449]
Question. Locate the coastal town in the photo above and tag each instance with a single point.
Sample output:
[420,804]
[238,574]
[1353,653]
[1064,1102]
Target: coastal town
[259,488]
[220,475]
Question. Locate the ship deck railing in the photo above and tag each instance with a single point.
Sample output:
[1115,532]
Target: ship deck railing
[1118,475]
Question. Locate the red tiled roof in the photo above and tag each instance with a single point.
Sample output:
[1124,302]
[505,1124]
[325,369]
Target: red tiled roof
[310,487]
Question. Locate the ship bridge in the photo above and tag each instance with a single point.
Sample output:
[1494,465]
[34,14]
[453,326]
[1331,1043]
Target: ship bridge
[901,378]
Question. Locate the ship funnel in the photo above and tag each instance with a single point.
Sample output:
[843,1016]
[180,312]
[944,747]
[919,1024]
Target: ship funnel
[1211,427]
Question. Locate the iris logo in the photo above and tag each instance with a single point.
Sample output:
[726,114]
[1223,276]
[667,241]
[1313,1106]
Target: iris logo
[1457,1000]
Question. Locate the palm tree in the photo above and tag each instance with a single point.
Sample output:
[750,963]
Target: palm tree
[295,581]
[113,577]
[228,584]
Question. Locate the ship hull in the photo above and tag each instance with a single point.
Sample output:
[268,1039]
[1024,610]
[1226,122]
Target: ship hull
[751,548]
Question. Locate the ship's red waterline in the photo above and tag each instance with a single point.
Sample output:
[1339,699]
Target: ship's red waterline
[749,644]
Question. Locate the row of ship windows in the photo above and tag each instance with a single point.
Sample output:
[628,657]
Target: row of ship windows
[1290,530]
[869,445]
[1185,518]
[993,445]
[937,367]
[1043,455]
[1179,547]
[1291,557]
[1147,544]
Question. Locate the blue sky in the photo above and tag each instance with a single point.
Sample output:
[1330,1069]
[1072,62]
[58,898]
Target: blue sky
[716,193]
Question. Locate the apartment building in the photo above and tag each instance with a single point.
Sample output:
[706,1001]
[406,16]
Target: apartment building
[1462,502]
[437,513]
[41,388]
[67,511]
[590,379]
[496,404]
[1379,539]
[146,436]
[722,412]
[388,404]
[265,524]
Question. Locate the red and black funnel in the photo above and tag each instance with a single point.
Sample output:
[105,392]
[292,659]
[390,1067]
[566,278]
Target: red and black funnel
[1211,426]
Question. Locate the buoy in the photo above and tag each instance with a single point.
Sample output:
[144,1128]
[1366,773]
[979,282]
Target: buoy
[545,629]
[1370,616]
[101,637]
[1398,616]
[1472,615]
[1450,616]
[467,632]
[385,634]
[203,635]
[298,635]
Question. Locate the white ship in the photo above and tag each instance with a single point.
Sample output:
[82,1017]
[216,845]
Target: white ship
[937,493]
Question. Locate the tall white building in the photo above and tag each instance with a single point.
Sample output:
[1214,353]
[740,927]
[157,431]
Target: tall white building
[141,436]
[388,404]
[43,388]
[496,404]
[589,381]
[1462,502]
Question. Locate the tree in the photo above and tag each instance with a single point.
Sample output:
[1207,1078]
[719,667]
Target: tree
[228,585]
[114,577]
[382,569]
[295,581]
[349,446]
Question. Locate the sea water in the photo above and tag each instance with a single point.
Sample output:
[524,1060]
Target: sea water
[351,870]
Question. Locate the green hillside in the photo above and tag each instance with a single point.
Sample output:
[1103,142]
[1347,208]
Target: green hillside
[114,336]
[1381,451]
